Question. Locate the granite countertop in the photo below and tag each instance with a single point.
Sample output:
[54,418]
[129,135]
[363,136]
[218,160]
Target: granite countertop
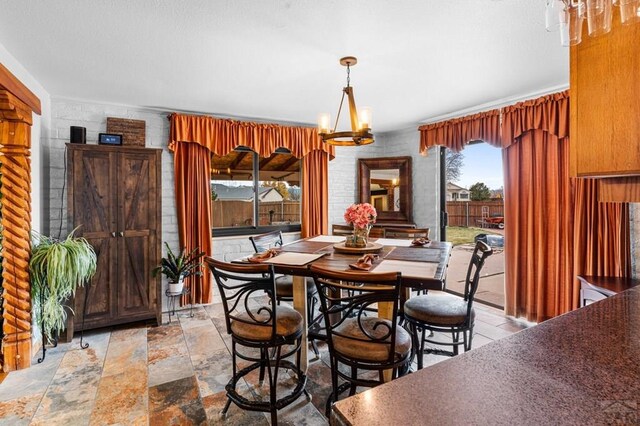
[579,368]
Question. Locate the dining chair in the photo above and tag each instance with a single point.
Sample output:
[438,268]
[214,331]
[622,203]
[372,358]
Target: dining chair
[358,341]
[261,328]
[376,232]
[284,283]
[442,312]
[341,230]
[407,233]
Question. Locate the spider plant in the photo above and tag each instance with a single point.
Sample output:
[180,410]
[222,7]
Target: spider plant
[181,266]
[57,268]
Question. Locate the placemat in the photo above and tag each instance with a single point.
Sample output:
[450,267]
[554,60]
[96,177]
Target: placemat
[294,259]
[393,242]
[305,246]
[410,269]
[415,254]
[328,239]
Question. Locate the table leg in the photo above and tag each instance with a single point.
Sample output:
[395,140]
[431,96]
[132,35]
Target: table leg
[300,305]
[385,310]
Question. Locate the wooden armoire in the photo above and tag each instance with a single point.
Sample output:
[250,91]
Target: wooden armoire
[114,201]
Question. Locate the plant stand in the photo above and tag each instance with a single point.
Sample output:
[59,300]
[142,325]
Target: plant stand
[83,345]
[172,297]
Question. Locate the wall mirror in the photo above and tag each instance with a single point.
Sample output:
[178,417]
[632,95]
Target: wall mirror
[386,184]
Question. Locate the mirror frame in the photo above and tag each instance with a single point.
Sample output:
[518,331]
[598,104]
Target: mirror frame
[403,164]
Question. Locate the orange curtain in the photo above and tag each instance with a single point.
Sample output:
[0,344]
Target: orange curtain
[538,227]
[601,233]
[456,133]
[555,226]
[315,194]
[192,165]
[193,139]
[221,136]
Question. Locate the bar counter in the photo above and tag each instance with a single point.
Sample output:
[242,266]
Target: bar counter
[579,368]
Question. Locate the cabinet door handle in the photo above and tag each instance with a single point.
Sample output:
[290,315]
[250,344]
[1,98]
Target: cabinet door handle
[113,234]
[121,234]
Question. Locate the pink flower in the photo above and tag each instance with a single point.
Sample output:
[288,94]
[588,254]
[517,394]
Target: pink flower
[360,215]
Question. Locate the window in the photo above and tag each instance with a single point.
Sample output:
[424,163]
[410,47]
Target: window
[237,208]
[464,196]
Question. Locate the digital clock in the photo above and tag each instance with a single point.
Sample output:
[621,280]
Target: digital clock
[109,139]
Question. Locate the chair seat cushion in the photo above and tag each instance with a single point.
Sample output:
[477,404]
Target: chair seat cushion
[438,308]
[368,350]
[288,323]
[284,286]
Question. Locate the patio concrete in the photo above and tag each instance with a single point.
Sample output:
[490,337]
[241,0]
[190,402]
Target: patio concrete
[491,287]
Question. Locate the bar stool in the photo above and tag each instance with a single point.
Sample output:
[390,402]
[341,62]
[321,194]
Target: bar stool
[267,328]
[443,312]
[357,340]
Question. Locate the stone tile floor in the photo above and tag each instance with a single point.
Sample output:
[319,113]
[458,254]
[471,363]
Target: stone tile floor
[172,374]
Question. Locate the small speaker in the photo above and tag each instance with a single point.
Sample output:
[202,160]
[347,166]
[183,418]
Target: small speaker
[78,134]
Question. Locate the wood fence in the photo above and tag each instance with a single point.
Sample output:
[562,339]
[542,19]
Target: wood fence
[469,213]
[240,213]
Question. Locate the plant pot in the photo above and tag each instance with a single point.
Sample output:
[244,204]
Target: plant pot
[176,287]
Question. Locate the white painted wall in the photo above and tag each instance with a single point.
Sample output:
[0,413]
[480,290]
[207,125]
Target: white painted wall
[426,175]
[343,176]
[39,136]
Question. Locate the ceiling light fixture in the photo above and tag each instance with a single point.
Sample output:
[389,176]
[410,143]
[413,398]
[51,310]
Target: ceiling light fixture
[567,16]
[360,133]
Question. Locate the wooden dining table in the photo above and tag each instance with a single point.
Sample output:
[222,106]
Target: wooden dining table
[422,268]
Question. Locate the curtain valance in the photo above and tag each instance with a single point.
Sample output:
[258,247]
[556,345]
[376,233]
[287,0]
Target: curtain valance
[549,113]
[221,136]
[456,133]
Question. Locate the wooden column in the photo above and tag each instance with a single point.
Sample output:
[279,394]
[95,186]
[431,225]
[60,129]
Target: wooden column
[15,144]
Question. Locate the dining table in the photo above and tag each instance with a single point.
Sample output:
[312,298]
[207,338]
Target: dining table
[421,267]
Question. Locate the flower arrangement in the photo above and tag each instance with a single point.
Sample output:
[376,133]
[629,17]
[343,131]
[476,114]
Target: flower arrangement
[361,216]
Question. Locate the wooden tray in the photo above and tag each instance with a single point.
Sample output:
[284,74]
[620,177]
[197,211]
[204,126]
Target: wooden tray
[370,248]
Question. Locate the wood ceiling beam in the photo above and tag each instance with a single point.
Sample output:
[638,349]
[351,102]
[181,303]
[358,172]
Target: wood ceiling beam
[238,160]
[10,83]
[291,161]
[266,161]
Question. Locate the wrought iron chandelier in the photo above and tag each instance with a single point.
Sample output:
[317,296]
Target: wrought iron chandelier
[360,133]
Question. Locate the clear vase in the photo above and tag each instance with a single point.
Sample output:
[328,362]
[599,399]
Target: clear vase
[359,238]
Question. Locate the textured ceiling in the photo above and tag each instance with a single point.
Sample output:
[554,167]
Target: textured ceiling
[278,60]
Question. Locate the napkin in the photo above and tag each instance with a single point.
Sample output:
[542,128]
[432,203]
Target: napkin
[420,242]
[365,262]
[265,255]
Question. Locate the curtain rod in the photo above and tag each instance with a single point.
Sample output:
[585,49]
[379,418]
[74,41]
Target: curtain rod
[494,104]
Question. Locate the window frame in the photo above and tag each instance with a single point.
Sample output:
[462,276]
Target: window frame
[232,231]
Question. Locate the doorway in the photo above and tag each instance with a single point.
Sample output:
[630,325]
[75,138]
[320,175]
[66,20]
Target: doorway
[472,209]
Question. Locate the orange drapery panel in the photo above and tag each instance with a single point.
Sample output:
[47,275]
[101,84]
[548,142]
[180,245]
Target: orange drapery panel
[193,138]
[601,233]
[192,164]
[538,227]
[549,113]
[555,226]
[221,136]
[315,194]
[456,133]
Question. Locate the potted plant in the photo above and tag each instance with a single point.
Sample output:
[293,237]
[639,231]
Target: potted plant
[177,268]
[362,217]
[57,268]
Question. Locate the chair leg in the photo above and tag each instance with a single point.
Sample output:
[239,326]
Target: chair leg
[421,351]
[226,407]
[354,377]
[272,393]
[333,396]
[469,340]
[456,340]
[263,360]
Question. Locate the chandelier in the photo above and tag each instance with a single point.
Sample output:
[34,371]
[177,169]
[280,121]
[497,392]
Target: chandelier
[360,133]
[567,16]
